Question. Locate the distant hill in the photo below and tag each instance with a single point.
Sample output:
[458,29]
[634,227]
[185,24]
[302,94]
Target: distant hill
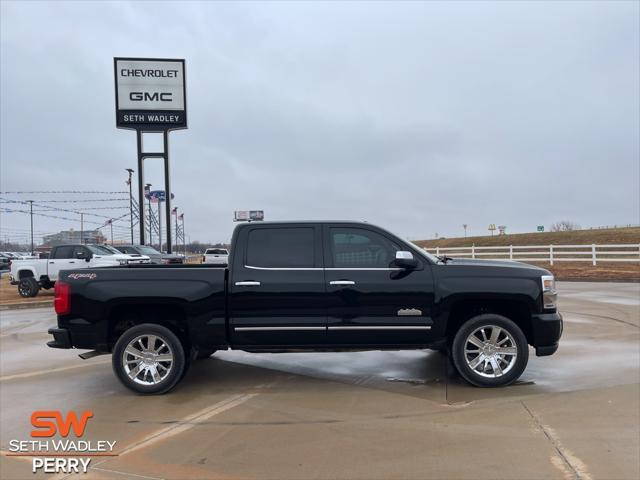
[576,237]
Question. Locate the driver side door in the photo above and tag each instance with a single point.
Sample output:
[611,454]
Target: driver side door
[371,300]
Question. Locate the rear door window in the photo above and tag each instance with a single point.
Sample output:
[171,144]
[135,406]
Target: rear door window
[63,252]
[281,247]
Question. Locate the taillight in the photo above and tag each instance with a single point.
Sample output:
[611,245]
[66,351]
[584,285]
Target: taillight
[62,298]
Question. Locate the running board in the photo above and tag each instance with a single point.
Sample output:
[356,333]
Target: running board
[91,354]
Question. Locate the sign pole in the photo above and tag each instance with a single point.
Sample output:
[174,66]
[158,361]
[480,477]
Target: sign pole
[141,189]
[151,97]
[167,188]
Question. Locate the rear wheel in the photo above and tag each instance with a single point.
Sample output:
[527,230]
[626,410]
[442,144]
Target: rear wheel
[28,287]
[149,359]
[490,351]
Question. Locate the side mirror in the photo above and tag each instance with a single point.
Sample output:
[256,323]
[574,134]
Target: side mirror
[405,259]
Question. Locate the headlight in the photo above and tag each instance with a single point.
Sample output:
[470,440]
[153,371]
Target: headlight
[549,294]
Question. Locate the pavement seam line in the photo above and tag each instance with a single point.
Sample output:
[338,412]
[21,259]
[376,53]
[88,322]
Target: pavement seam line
[577,470]
[126,474]
[189,422]
[603,316]
[44,372]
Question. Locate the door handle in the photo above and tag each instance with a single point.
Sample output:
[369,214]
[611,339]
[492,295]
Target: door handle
[247,284]
[72,261]
[342,282]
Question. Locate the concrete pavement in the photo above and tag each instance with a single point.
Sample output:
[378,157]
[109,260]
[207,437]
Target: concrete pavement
[392,414]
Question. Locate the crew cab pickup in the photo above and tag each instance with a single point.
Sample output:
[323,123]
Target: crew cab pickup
[32,274]
[319,286]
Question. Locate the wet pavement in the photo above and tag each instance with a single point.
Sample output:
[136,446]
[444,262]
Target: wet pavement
[392,414]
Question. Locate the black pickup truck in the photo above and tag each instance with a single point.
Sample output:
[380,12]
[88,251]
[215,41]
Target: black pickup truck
[322,286]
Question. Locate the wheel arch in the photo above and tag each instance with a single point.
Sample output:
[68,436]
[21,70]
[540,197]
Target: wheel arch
[26,272]
[517,310]
[171,315]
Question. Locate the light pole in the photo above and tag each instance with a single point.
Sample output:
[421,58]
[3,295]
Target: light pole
[148,189]
[465,229]
[82,228]
[175,212]
[184,237]
[31,215]
[130,170]
[160,224]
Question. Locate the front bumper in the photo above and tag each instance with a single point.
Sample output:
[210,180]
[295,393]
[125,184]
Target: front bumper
[61,338]
[547,330]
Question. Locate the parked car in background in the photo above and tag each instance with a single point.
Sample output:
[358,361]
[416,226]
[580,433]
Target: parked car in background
[154,255]
[216,256]
[5,261]
[33,274]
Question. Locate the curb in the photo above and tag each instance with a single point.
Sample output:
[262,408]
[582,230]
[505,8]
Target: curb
[22,306]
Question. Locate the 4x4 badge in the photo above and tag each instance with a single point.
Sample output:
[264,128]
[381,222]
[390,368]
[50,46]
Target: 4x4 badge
[409,312]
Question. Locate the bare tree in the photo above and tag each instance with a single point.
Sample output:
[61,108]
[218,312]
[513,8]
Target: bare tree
[564,226]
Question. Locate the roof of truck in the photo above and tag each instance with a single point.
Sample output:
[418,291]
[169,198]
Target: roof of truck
[280,222]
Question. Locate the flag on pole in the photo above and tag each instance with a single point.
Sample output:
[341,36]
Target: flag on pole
[174,211]
[108,222]
[128,182]
[181,216]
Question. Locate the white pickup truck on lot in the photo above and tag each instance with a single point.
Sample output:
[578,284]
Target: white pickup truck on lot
[34,274]
[216,256]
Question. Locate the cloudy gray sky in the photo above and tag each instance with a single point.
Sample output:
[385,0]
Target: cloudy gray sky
[416,116]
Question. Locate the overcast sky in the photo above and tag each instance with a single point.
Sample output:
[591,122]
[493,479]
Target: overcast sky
[419,117]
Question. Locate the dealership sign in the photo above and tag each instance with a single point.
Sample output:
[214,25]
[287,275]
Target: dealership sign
[248,215]
[150,94]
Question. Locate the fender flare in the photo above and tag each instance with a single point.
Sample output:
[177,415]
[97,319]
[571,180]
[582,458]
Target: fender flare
[27,269]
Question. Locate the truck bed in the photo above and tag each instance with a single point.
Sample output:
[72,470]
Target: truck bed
[104,300]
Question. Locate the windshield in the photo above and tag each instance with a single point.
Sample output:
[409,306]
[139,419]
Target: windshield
[102,249]
[216,251]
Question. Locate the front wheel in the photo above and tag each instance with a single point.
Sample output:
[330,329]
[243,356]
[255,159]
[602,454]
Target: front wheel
[490,351]
[149,359]
[28,287]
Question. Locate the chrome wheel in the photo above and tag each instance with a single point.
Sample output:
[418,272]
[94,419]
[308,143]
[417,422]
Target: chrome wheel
[490,351]
[147,359]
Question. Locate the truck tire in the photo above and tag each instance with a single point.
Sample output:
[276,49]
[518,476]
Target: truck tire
[490,350]
[28,287]
[205,353]
[149,359]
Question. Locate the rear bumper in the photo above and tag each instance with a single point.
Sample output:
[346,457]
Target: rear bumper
[547,330]
[61,338]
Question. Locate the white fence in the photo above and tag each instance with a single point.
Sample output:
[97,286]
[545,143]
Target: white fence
[547,253]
